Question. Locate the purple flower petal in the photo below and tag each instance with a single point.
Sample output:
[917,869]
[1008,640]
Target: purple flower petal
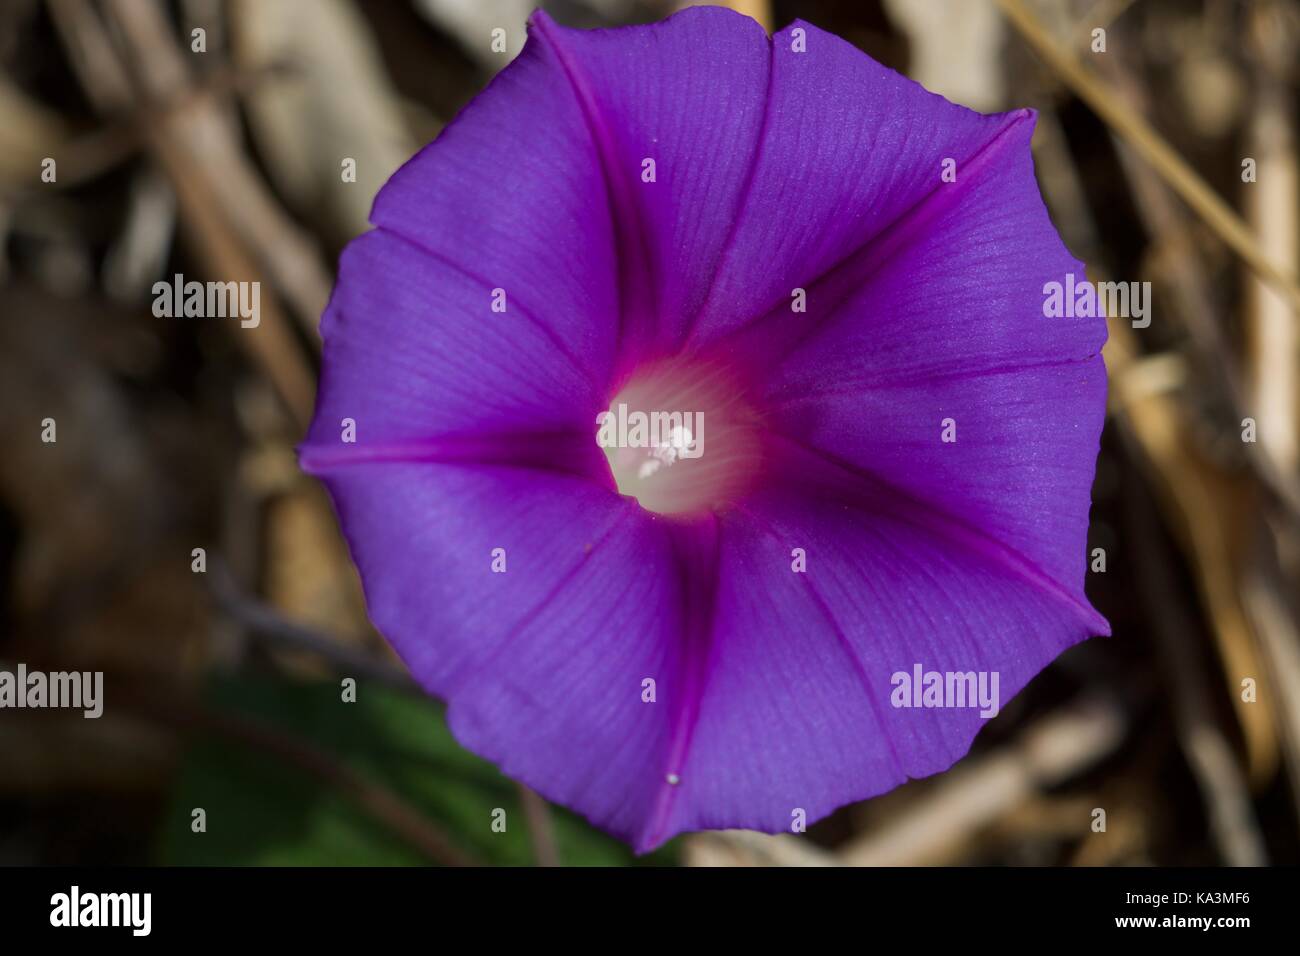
[795,712]
[849,148]
[687,94]
[1019,472]
[511,196]
[541,663]
[414,354]
[945,323]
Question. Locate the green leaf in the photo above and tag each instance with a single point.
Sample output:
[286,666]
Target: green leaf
[262,810]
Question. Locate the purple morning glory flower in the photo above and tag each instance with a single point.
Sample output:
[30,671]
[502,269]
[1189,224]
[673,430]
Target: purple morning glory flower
[843,276]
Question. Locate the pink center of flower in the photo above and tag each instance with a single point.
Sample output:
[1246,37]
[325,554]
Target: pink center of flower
[680,437]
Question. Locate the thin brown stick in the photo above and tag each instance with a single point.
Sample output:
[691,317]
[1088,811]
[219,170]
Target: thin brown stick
[1103,13]
[280,632]
[1205,509]
[1209,754]
[139,697]
[748,848]
[1264,595]
[1271,204]
[1185,283]
[103,79]
[386,806]
[1153,149]
[205,140]
[540,831]
[978,791]
[272,345]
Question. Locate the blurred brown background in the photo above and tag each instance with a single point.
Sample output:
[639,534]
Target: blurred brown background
[172,434]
